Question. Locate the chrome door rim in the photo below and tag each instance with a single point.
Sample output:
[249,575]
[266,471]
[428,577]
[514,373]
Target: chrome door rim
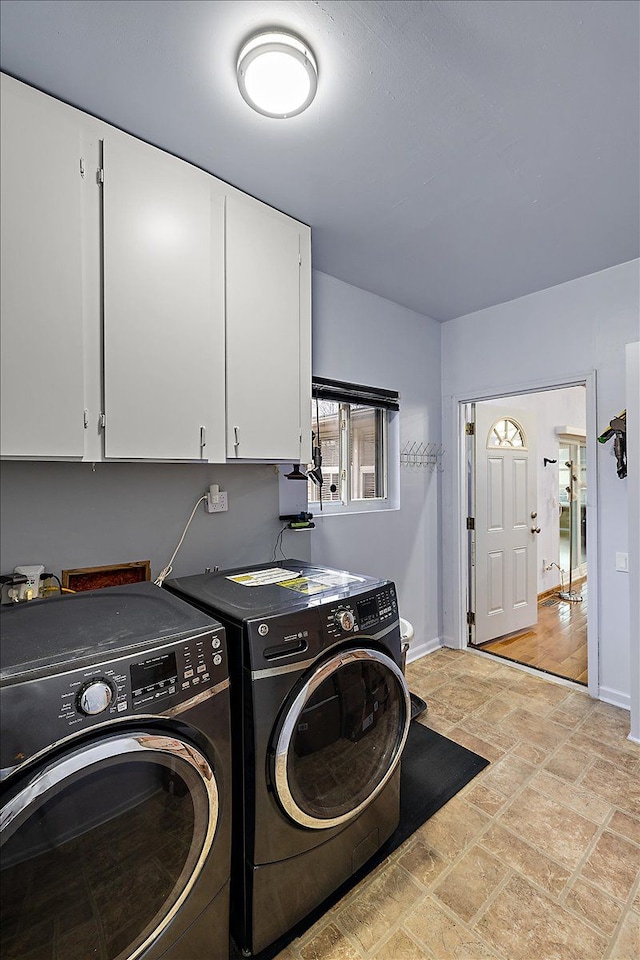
[283,789]
[116,748]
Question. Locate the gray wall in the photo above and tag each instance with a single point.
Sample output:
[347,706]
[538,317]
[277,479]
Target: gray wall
[65,515]
[562,334]
[363,338]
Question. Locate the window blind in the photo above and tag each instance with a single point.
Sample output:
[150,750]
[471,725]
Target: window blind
[341,392]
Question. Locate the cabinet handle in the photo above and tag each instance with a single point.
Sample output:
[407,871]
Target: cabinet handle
[203,440]
[236,443]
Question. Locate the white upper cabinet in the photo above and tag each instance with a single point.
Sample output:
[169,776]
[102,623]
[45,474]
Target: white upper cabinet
[163,305]
[41,349]
[267,332]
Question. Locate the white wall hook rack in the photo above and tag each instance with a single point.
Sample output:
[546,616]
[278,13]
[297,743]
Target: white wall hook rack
[419,454]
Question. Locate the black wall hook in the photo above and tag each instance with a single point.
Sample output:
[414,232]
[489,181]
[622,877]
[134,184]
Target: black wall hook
[546,461]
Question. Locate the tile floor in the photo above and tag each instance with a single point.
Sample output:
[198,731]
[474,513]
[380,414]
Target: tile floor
[538,858]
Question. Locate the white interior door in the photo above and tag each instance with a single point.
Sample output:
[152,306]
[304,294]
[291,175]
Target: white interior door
[506,525]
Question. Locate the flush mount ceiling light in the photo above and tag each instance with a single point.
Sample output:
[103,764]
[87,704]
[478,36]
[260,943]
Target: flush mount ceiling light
[277,74]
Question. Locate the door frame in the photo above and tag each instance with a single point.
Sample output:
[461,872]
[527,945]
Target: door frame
[455,551]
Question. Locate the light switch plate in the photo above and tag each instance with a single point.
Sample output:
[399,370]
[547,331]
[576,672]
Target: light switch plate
[622,562]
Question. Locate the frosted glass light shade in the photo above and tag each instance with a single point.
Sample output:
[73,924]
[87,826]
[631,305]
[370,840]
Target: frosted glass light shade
[277,74]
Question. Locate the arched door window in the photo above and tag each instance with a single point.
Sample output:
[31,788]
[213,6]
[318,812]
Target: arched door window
[508,433]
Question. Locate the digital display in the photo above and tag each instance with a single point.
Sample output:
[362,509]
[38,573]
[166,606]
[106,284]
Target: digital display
[155,670]
[367,610]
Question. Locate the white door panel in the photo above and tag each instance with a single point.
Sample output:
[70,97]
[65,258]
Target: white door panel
[505,544]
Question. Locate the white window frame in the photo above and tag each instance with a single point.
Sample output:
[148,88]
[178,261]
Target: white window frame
[390,499]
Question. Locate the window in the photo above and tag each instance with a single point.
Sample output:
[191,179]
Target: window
[506,433]
[351,434]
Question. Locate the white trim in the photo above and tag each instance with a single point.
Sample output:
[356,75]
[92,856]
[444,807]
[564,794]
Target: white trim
[615,697]
[632,351]
[418,650]
[454,512]
[551,677]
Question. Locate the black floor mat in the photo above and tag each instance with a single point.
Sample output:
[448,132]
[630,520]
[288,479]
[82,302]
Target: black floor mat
[434,769]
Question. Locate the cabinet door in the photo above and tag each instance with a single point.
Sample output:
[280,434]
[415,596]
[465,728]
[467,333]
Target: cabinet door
[264,343]
[41,347]
[163,305]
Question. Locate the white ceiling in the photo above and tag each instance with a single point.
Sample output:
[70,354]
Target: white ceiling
[459,153]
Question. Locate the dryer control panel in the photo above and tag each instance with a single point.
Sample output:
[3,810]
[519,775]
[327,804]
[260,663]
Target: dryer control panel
[365,613]
[157,681]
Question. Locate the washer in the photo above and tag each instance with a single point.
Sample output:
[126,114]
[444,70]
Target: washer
[320,713]
[115,807]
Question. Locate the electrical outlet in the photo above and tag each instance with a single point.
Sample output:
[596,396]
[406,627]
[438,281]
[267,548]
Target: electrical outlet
[216,502]
[30,589]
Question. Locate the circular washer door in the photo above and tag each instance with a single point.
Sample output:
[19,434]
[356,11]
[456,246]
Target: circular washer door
[101,846]
[341,738]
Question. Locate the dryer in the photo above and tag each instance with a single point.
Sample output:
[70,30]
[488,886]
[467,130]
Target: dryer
[115,807]
[320,713]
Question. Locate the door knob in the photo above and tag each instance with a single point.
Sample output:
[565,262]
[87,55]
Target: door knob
[535,529]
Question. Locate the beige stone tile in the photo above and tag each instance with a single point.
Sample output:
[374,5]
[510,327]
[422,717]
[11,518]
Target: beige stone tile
[552,827]
[613,865]
[329,944]
[444,711]
[288,954]
[439,724]
[627,945]
[485,798]
[550,693]
[573,709]
[576,797]
[423,862]
[499,735]
[454,827]
[613,784]
[444,937]
[526,859]
[466,697]
[536,729]
[608,723]
[471,742]
[636,901]
[369,917]
[475,666]
[624,754]
[508,775]
[401,946]
[569,763]
[531,753]
[594,906]
[522,924]
[495,711]
[470,883]
[627,825]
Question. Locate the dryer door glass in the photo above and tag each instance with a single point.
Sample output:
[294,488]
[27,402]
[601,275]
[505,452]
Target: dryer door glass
[342,738]
[100,849]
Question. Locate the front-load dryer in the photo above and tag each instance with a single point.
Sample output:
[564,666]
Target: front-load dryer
[320,714]
[115,806]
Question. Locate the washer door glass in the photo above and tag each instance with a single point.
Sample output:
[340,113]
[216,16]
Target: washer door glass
[341,738]
[100,848]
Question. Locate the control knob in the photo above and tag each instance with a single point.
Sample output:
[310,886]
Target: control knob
[346,619]
[94,697]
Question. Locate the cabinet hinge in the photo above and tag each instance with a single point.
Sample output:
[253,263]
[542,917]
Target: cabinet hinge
[299,259]
[102,421]
[471,618]
[86,419]
[100,175]
[82,167]
[471,523]
[470,429]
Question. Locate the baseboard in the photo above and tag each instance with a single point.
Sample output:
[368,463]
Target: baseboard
[615,697]
[551,592]
[417,650]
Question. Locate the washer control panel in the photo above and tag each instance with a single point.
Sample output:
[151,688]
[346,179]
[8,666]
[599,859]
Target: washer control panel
[363,613]
[150,681]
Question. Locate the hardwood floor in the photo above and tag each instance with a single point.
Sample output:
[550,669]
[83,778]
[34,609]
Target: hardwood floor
[558,642]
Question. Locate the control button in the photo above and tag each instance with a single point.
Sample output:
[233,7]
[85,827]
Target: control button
[217,659]
[94,697]
[122,706]
[215,643]
[172,689]
[205,676]
[187,674]
[195,680]
[186,684]
[202,668]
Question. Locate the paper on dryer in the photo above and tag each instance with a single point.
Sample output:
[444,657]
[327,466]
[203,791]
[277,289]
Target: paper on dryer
[258,578]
